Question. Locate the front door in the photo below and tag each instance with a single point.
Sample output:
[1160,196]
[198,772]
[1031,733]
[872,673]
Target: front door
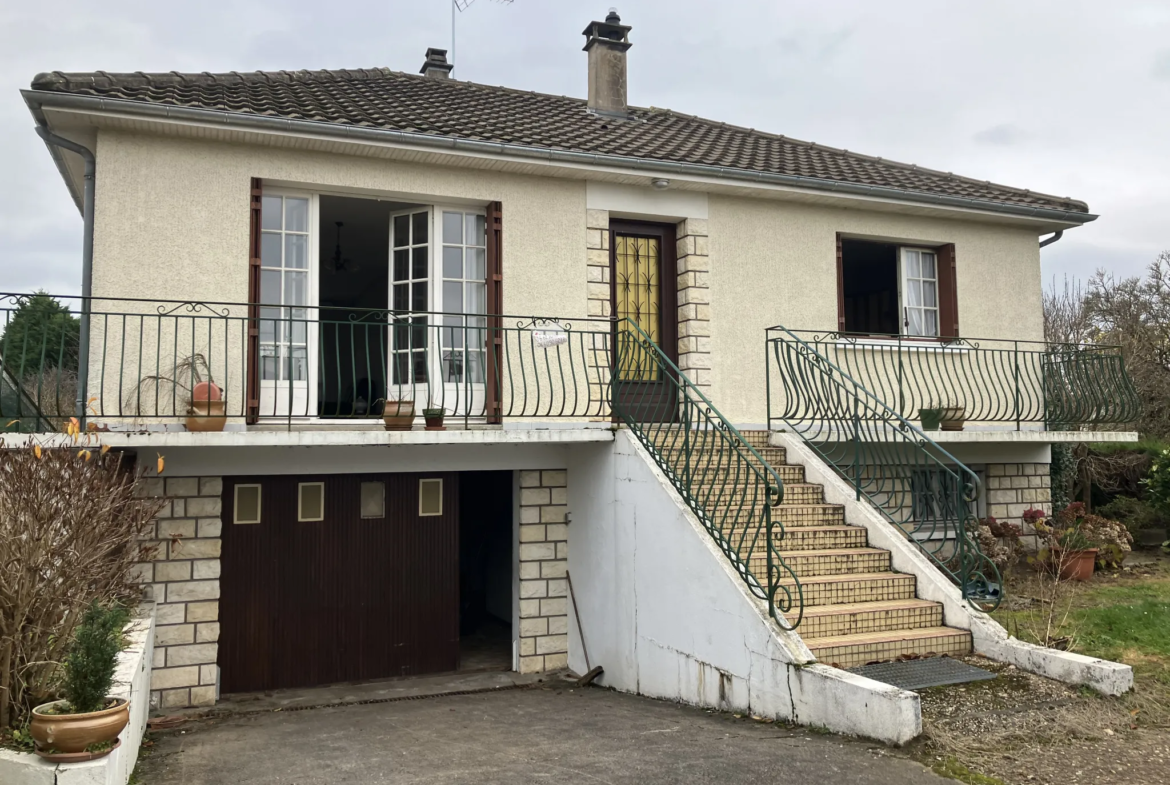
[644,291]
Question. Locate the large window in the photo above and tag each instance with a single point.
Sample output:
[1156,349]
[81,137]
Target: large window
[890,289]
[464,271]
[284,281]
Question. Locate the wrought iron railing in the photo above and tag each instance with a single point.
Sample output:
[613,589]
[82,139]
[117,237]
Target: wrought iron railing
[988,381]
[729,486]
[276,364]
[911,480]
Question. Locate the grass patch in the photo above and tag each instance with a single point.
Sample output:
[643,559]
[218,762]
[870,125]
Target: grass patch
[951,768]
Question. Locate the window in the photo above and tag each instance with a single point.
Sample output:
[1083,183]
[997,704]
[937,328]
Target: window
[247,504]
[464,270]
[284,280]
[430,497]
[409,288]
[311,501]
[373,500]
[888,289]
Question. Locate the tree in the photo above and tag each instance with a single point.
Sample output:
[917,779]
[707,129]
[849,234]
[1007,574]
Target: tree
[41,334]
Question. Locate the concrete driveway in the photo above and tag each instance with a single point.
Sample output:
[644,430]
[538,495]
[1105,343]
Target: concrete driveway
[549,733]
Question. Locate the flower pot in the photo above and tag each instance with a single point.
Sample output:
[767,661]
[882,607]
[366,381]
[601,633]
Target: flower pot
[206,391]
[931,419]
[434,419]
[72,733]
[1077,565]
[398,415]
[952,418]
[206,416]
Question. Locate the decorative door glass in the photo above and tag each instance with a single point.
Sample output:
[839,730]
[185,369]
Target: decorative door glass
[637,287]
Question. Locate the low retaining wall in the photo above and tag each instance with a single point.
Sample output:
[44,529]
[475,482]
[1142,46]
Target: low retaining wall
[131,681]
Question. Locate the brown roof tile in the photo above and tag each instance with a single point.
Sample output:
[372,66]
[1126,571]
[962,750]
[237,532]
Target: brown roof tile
[380,98]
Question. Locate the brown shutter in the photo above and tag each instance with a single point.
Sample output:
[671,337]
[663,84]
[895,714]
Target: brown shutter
[840,287]
[253,381]
[495,307]
[948,296]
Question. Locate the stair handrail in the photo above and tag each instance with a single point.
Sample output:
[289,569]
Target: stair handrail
[694,445]
[909,478]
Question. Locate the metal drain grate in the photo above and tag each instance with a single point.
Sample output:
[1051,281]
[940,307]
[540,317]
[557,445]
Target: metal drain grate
[923,673]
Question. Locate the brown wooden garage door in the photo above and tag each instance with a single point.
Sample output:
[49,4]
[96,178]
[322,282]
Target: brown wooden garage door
[345,598]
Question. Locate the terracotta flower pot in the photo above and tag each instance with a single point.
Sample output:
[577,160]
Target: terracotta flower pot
[206,416]
[72,733]
[206,391]
[1077,565]
[434,419]
[398,415]
[952,418]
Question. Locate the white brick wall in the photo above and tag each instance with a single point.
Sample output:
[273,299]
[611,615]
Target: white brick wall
[544,564]
[694,301]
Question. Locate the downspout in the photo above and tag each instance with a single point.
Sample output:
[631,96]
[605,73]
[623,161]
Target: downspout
[86,261]
[1053,238]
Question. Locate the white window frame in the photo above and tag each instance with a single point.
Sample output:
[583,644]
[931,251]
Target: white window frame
[300,502]
[422,482]
[906,282]
[236,503]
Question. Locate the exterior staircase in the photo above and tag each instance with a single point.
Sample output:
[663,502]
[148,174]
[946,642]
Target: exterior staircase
[856,609]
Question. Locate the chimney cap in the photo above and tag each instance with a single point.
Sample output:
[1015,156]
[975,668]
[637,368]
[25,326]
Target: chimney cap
[436,63]
[611,31]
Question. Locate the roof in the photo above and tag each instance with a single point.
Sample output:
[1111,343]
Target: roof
[445,108]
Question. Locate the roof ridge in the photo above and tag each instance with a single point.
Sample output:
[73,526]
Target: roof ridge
[65,80]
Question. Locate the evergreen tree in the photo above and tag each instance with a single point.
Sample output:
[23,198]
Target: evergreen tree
[40,334]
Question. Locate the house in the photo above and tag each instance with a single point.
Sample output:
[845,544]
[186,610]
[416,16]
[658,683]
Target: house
[684,368]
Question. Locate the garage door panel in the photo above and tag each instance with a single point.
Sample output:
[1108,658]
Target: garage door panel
[342,599]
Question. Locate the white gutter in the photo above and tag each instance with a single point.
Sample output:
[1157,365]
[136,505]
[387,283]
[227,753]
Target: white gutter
[37,99]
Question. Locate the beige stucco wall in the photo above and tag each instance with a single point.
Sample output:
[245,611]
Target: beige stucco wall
[171,217]
[775,263]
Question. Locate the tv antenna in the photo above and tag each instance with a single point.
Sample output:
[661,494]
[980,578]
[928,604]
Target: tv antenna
[461,6]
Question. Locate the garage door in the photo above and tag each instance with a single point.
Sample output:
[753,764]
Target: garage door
[338,578]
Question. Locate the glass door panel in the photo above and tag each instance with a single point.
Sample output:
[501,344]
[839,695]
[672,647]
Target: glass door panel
[463,302]
[410,290]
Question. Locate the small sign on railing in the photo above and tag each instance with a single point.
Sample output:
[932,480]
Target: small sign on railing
[549,336]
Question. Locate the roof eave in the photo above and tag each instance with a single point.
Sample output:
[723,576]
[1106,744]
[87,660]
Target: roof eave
[37,99]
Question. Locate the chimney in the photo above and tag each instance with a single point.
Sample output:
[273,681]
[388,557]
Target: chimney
[607,42]
[436,64]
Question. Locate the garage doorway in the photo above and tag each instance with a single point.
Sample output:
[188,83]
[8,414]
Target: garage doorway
[486,582]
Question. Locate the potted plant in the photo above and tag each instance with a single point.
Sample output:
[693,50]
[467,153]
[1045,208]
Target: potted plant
[189,381]
[205,410]
[952,417]
[86,723]
[1077,540]
[397,415]
[931,419]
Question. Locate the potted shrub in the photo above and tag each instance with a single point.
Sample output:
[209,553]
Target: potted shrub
[398,415]
[952,417]
[434,418]
[931,419]
[189,382]
[86,724]
[1076,541]
[205,410]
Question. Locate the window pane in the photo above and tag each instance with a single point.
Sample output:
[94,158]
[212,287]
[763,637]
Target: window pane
[452,297]
[299,364]
[311,505]
[298,324]
[929,294]
[453,331]
[931,322]
[296,251]
[452,263]
[270,249]
[914,293]
[418,263]
[270,212]
[401,231]
[401,297]
[270,286]
[453,228]
[430,497]
[475,228]
[296,288]
[268,317]
[418,225]
[247,504]
[267,362]
[476,264]
[476,301]
[928,265]
[373,503]
[418,298]
[296,215]
[911,259]
[914,316]
[401,264]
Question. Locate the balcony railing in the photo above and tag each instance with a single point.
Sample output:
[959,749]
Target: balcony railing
[282,364]
[1021,384]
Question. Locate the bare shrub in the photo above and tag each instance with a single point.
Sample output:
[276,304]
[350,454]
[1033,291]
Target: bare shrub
[70,528]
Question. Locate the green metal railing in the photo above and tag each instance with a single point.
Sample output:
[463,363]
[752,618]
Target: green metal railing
[722,478]
[146,356]
[1023,383]
[910,479]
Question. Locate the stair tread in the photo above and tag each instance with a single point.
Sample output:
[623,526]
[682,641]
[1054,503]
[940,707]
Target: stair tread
[850,576]
[858,639]
[829,551]
[846,608]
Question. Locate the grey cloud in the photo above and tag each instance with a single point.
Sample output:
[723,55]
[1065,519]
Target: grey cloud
[1162,66]
[1005,135]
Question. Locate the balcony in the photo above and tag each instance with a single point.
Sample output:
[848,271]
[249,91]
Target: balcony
[992,385]
[293,368]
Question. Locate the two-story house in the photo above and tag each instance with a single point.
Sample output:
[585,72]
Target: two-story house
[690,372]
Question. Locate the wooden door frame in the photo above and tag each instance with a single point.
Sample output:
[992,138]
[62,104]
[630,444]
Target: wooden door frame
[667,272]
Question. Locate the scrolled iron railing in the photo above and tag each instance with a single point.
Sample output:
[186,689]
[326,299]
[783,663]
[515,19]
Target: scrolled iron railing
[911,480]
[729,486]
[284,365]
[1020,383]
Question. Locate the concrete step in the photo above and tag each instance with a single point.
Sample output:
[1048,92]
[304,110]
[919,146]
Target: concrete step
[820,538]
[803,493]
[810,564]
[849,651]
[856,587]
[853,618]
[735,471]
[797,515]
[773,455]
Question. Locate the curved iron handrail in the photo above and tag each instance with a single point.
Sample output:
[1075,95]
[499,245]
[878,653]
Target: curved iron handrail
[725,481]
[908,477]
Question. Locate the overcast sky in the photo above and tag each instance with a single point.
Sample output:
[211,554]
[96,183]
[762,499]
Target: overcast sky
[1070,97]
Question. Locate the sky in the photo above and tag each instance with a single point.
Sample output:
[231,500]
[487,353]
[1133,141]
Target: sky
[1069,97]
